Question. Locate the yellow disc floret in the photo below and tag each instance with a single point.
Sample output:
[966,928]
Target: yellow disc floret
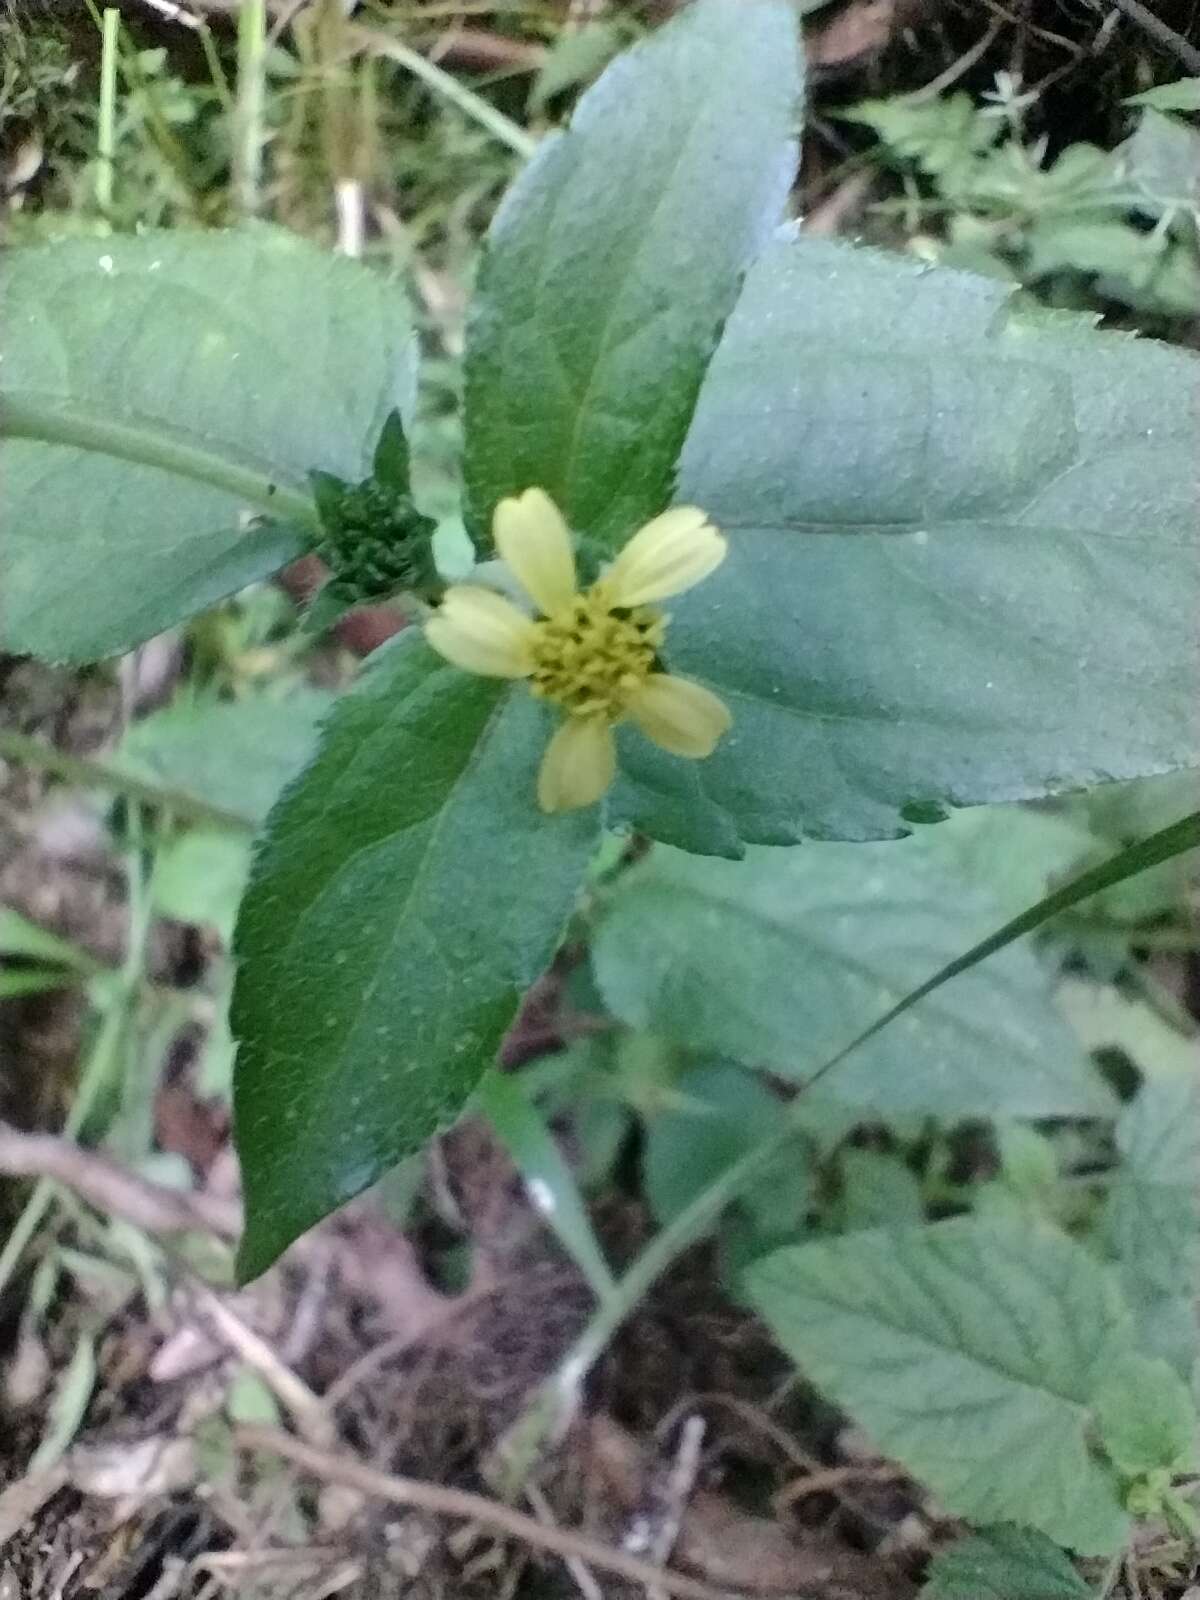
[592,658]
[593,652]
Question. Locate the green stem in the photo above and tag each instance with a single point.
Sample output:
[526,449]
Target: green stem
[691,1224]
[248,130]
[215,70]
[469,103]
[66,424]
[87,774]
[106,132]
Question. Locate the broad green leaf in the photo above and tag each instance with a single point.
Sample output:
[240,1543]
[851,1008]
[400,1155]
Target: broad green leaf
[972,1353]
[199,876]
[1107,1018]
[235,754]
[778,960]
[407,892]
[876,1190]
[615,258]
[1004,1563]
[252,354]
[1103,245]
[1145,1416]
[1152,1220]
[721,1113]
[1122,812]
[1010,853]
[964,558]
[1028,1160]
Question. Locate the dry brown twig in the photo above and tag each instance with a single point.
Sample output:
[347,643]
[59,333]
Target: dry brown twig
[957,69]
[112,1189]
[832,1478]
[306,1408]
[21,1502]
[584,1582]
[1161,32]
[654,1530]
[334,1467]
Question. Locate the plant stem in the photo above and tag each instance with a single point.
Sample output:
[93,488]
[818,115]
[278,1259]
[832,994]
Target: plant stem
[1162,32]
[106,132]
[469,103]
[667,1245]
[86,774]
[215,70]
[67,424]
[248,136]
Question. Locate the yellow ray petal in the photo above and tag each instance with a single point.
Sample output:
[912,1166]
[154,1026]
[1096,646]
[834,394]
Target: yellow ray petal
[532,537]
[680,715]
[665,557]
[481,632]
[578,766]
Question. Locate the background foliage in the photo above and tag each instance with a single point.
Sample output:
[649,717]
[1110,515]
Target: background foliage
[963,571]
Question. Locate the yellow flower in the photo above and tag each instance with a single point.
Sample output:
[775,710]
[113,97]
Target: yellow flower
[593,652]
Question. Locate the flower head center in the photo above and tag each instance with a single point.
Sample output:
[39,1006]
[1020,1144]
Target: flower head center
[591,657]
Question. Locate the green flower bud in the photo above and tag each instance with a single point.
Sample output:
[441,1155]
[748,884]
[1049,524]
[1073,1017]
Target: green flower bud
[373,538]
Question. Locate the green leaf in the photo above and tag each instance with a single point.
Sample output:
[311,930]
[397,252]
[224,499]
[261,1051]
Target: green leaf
[722,1112]
[199,876]
[1152,1219]
[779,959]
[1011,853]
[1122,812]
[876,1190]
[1004,1563]
[1162,163]
[234,754]
[964,564]
[548,1179]
[68,1407]
[1182,95]
[576,57]
[944,136]
[1105,1017]
[407,892]
[179,349]
[971,1352]
[616,257]
[1107,245]
[1146,1417]
[1028,1160]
